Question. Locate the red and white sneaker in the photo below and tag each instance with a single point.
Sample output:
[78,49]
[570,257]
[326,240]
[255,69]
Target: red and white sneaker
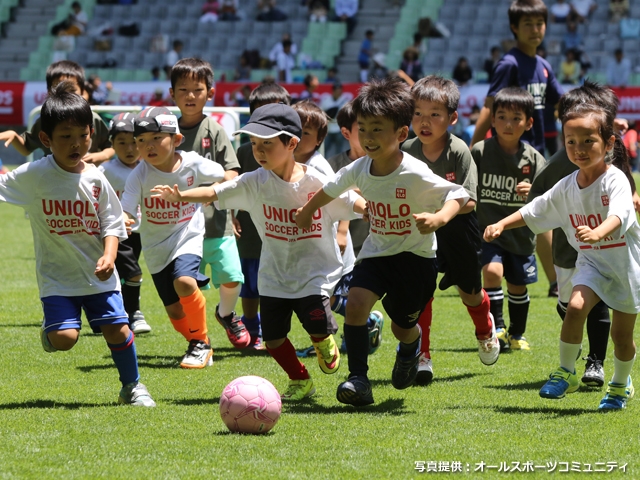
[236,331]
[489,348]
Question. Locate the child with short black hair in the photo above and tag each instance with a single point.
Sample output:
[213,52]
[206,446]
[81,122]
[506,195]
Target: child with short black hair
[73,75]
[506,168]
[191,89]
[171,233]
[117,171]
[77,223]
[458,253]
[397,260]
[594,208]
[299,267]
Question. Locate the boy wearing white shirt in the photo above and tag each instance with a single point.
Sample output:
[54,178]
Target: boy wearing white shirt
[172,232]
[299,268]
[402,193]
[77,223]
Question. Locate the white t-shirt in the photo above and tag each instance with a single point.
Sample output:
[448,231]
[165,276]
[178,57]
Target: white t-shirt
[70,214]
[285,62]
[117,174]
[320,163]
[582,6]
[392,200]
[560,10]
[611,267]
[294,263]
[168,230]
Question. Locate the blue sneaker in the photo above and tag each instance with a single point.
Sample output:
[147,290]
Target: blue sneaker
[617,396]
[375,331]
[560,382]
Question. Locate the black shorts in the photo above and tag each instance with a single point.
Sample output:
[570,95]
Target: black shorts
[128,255]
[459,253]
[314,312]
[405,282]
[187,265]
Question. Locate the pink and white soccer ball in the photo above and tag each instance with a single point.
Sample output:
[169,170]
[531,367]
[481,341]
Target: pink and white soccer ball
[250,405]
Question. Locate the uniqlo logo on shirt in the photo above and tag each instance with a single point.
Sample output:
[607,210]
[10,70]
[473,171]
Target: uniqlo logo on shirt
[526,170]
[95,191]
[190,181]
[206,142]
[450,177]
[546,73]
[401,193]
[310,196]
[605,200]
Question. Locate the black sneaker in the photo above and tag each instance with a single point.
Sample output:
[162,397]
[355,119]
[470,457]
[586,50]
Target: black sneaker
[405,371]
[355,391]
[593,372]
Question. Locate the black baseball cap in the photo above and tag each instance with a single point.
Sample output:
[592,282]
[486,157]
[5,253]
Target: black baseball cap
[155,119]
[273,120]
[121,123]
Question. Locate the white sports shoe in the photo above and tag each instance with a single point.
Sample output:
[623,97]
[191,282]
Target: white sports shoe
[136,394]
[425,370]
[139,324]
[199,355]
[489,349]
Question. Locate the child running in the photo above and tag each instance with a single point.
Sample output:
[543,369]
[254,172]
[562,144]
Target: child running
[594,207]
[299,268]
[77,223]
[397,260]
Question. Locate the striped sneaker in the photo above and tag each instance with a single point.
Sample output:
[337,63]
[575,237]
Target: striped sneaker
[617,396]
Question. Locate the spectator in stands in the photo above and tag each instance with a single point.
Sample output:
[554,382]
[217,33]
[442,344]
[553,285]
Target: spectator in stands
[618,70]
[331,104]
[243,70]
[490,63]
[210,11]
[277,48]
[311,84]
[572,40]
[379,67]
[285,61]
[411,64]
[420,46]
[561,12]
[364,57]
[630,139]
[229,10]
[268,12]
[74,24]
[158,99]
[618,9]
[346,11]
[332,76]
[155,74]
[583,9]
[173,56]
[462,73]
[570,68]
[101,90]
[467,133]
[318,10]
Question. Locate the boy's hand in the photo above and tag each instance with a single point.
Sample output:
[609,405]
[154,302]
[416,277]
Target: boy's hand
[365,215]
[167,193]
[586,235]
[523,189]
[237,228]
[303,219]
[104,268]
[492,232]
[428,222]
[128,223]
[96,158]
[636,202]
[8,137]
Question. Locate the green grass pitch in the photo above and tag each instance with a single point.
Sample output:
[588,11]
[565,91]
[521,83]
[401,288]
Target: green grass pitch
[59,419]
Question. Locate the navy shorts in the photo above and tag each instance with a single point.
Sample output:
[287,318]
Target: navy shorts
[128,256]
[250,267]
[314,312]
[404,281]
[459,252]
[342,287]
[187,265]
[62,313]
[518,269]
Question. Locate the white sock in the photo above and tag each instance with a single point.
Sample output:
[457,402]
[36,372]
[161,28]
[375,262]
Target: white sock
[568,354]
[228,299]
[621,370]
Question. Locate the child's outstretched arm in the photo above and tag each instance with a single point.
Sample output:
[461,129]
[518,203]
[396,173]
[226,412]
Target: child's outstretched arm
[606,228]
[106,263]
[194,195]
[10,137]
[304,215]
[430,222]
[514,220]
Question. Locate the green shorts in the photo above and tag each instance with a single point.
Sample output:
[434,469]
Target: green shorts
[222,255]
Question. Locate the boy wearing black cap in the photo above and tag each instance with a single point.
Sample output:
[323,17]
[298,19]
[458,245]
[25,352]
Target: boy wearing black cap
[298,267]
[117,171]
[171,233]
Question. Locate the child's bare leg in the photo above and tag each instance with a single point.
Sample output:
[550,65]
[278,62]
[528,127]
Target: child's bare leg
[63,339]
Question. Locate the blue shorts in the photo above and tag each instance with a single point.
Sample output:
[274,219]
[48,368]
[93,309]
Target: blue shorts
[184,266]
[250,267]
[222,255]
[518,269]
[63,313]
[342,287]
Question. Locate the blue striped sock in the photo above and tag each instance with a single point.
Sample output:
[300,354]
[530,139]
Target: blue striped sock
[126,360]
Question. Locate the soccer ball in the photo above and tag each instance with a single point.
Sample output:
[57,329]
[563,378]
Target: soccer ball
[250,405]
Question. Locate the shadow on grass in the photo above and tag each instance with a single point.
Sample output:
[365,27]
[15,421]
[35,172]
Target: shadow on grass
[195,401]
[146,361]
[225,433]
[456,350]
[234,352]
[20,325]
[557,412]
[391,406]
[51,404]
[455,378]
[519,386]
